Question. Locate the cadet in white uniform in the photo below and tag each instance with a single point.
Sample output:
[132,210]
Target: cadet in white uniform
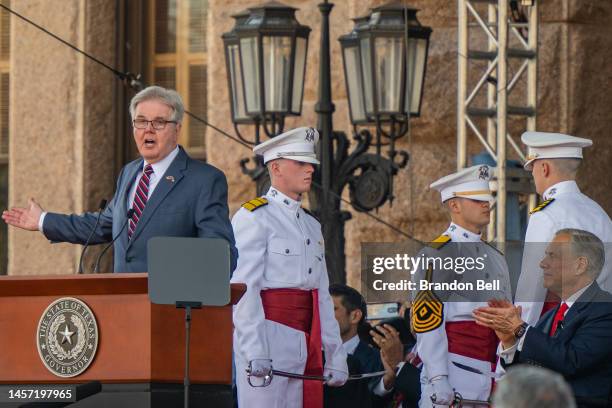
[286,315]
[445,328]
[553,161]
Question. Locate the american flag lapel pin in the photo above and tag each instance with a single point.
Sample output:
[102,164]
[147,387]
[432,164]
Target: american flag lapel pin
[170,178]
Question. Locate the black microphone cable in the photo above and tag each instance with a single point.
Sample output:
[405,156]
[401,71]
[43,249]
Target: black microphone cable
[101,207]
[130,213]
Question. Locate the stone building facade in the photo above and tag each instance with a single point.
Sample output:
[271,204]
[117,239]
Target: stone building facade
[68,135]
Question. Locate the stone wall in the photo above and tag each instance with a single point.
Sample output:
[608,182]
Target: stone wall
[62,137]
[62,150]
[574,48]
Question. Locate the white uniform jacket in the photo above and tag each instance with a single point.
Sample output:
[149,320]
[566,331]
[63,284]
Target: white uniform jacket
[567,208]
[281,246]
[458,326]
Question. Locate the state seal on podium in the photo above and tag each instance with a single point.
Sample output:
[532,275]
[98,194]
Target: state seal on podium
[67,337]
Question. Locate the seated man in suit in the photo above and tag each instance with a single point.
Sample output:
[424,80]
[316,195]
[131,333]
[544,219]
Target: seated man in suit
[573,339]
[162,193]
[350,311]
[402,380]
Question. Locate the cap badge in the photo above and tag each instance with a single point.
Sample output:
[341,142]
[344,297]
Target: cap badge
[310,134]
[483,172]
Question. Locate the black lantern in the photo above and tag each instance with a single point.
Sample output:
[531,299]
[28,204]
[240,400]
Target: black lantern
[266,61]
[352,72]
[385,78]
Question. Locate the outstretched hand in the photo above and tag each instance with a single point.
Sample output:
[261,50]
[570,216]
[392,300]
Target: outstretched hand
[24,218]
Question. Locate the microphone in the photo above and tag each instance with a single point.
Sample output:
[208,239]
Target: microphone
[130,213]
[101,207]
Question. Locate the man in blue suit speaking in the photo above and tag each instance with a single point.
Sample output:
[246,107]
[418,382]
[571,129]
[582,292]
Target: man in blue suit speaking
[162,193]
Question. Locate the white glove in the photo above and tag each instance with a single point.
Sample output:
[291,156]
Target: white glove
[260,367]
[443,393]
[336,378]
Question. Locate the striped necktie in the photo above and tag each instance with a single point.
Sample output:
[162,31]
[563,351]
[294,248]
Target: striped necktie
[140,199]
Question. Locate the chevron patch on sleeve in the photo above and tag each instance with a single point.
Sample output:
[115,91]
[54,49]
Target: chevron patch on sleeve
[427,312]
[542,205]
[255,203]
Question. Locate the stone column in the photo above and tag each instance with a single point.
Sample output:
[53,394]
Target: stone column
[61,124]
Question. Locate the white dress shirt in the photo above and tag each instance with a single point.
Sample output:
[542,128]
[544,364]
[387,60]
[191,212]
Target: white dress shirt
[351,345]
[159,169]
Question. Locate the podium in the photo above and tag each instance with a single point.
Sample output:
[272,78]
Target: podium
[141,345]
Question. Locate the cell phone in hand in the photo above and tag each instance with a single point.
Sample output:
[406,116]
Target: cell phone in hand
[381,311]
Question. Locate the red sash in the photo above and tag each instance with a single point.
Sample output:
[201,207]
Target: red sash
[466,338]
[299,309]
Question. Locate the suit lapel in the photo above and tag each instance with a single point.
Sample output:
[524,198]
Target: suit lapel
[582,302]
[168,181]
[546,320]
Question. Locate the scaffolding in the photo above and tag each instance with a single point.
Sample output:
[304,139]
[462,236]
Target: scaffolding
[511,30]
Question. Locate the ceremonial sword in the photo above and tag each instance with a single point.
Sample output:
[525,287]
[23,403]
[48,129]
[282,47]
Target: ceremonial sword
[495,376]
[268,378]
[323,378]
[459,400]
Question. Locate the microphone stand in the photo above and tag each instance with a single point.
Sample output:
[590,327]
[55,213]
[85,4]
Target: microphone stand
[130,213]
[101,209]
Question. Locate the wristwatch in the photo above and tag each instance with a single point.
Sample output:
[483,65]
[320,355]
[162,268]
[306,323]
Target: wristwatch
[520,331]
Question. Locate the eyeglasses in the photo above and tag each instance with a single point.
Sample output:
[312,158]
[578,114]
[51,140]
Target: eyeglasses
[158,124]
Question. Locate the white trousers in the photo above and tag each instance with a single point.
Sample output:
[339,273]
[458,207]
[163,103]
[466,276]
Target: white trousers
[287,348]
[470,385]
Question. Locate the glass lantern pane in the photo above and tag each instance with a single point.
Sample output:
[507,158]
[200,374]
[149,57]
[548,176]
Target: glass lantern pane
[354,83]
[388,73]
[250,68]
[298,75]
[277,63]
[366,67]
[237,90]
[417,50]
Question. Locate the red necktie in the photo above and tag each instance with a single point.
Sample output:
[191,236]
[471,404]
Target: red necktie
[558,317]
[140,198]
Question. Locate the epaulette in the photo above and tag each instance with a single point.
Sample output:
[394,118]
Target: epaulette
[542,205]
[307,211]
[493,246]
[255,203]
[440,241]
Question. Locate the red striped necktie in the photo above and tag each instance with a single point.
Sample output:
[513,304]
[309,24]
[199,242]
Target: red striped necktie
[140,198]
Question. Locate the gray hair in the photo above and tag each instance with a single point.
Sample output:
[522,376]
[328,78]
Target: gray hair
[584,243]
[168,96]
[532,387]
[566,167]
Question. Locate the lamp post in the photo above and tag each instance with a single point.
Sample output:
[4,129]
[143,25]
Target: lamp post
[384,80]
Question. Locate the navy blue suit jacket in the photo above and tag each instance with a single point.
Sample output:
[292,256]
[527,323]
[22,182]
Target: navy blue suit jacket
[356,394]
[581,349]
[189,201]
